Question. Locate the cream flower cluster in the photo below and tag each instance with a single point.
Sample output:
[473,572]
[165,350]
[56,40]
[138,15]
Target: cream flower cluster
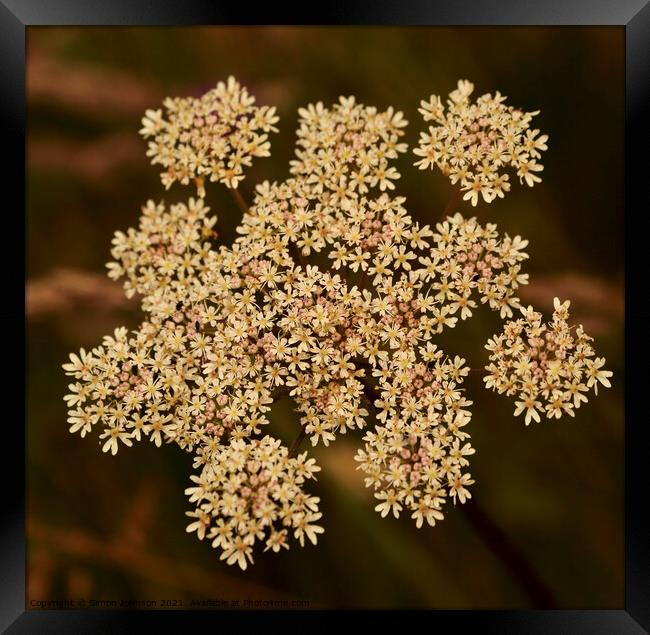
[547,367]
[162,257]
[214,136]
[330,296]
[249,492]
[475,143]
[347,148]
[414,460]
[467,256]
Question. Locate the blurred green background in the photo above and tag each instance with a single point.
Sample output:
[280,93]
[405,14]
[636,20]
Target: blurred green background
[113,528]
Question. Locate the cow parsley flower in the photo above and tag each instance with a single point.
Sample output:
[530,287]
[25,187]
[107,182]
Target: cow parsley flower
[346,148]
[252,492]
[475,143]
[415,458]
[229,329]
[548,368]
[213,137]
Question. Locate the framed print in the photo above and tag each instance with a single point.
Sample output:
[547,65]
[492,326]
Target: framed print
[335,313]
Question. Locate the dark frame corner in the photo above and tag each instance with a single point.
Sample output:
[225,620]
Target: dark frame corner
[633,15]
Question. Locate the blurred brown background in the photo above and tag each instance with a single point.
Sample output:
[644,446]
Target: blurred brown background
[113,528]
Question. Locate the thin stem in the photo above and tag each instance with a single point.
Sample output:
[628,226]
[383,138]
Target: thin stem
[362,279]
[296,255]
[200,186]
[511,557]
[295,446]
[454,200]
[239,199]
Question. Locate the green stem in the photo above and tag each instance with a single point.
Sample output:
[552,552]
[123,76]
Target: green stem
[239,199]
[296,255]
[295,446]
[454,199]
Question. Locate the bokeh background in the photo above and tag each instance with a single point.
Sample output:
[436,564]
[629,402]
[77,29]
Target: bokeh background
[550,495]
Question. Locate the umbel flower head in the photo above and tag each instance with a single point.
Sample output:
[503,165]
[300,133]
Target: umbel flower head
[213,137]
[346,149]
[415,458]
[475,143]
[252,491]
[547,367]
[348,336]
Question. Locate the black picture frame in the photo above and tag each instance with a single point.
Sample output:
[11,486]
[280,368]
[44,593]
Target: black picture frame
[632,15]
